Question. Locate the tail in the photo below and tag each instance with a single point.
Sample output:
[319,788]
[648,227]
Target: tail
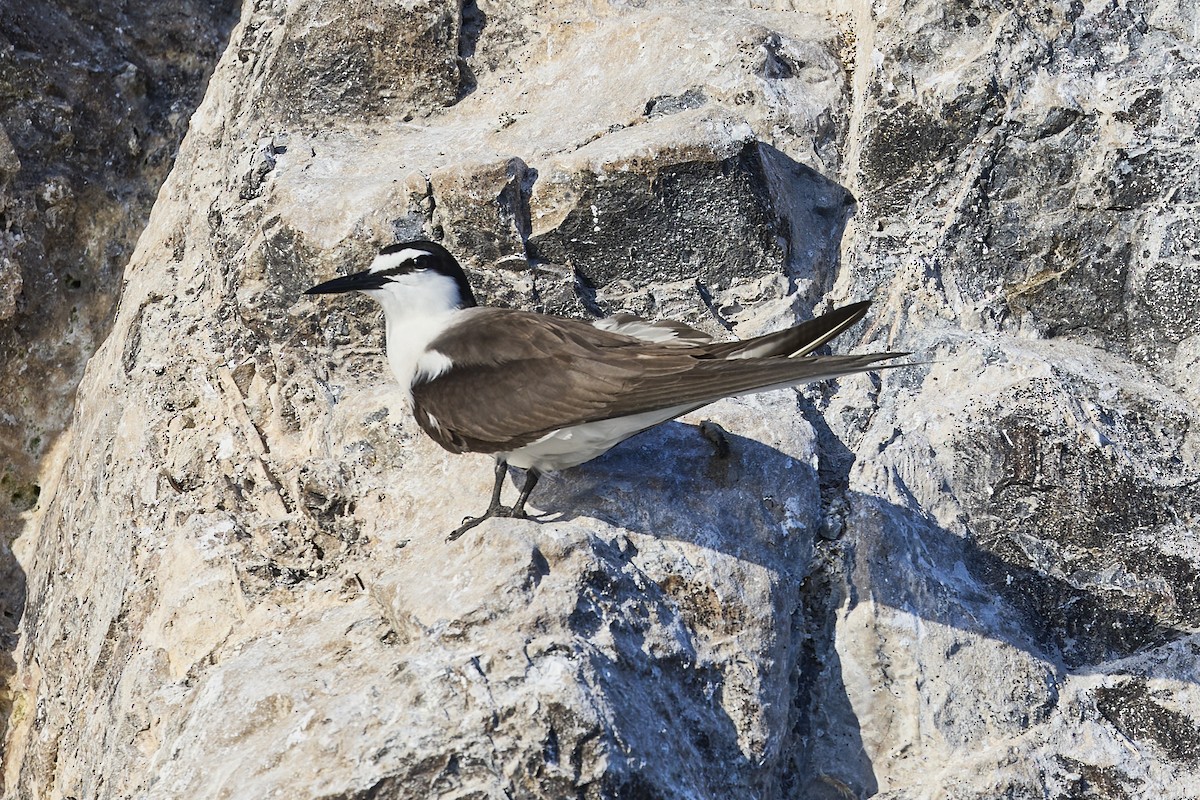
[794,342]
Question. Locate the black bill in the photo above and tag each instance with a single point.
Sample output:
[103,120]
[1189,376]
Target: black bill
[358,282]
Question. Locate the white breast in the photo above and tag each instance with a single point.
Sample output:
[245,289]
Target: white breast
[408,350]
[418,307]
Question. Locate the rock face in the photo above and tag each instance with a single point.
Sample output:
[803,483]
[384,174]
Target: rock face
[973,577]
[94,100]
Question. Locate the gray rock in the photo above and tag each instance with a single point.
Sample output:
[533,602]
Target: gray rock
[332,60]
[972,577]
[96,98]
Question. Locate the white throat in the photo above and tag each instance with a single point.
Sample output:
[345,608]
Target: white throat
[417,307]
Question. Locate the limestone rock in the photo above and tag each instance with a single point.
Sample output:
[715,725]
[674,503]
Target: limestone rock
[972,577]
[1051,483]
[331,60]
[95,100]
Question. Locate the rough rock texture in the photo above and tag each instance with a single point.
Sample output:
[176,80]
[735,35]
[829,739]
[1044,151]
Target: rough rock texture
[94,100]
[973,578]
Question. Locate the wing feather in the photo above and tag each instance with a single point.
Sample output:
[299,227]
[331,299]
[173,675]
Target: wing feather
[552,373]
[796,341]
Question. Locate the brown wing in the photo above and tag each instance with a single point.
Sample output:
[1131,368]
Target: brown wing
[550,373]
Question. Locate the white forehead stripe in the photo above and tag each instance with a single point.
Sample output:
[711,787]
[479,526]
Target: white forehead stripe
[389,260]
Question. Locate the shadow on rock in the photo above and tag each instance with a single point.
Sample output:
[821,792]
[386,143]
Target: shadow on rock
[669,483]
[755,505]
[758,505]
[951,580]
[655,687]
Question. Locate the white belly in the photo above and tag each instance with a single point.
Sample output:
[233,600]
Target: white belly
[568,447]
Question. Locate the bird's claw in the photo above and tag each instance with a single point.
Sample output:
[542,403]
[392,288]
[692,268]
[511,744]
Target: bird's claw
[467,524]
[499,511]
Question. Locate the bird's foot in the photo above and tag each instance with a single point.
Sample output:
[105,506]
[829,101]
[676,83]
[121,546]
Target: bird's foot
[496,511]
[717,435]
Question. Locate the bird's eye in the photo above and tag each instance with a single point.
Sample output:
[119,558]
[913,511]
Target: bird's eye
[407,268]
[399,262]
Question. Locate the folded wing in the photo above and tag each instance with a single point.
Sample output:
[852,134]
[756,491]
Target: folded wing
[552,373]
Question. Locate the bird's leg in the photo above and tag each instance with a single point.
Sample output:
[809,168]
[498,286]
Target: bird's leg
[494,508]
[531,479]
[501,474]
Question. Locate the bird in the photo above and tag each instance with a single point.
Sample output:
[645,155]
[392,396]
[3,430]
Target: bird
[544,393]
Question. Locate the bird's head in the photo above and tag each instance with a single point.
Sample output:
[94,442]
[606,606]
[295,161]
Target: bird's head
[411,277]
